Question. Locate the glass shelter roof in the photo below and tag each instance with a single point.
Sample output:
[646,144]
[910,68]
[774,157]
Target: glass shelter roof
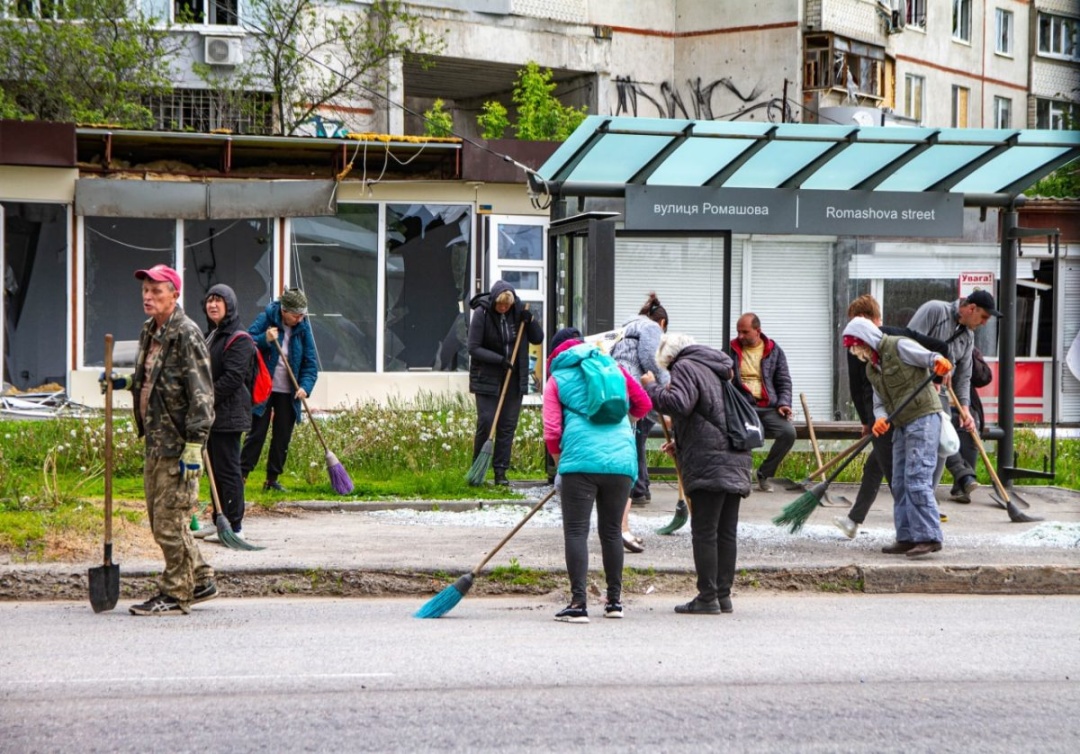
[604,154]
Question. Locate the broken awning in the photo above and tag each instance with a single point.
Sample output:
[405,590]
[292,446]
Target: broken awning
[606,154]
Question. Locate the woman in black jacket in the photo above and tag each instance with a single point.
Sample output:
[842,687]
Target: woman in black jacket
[495,321]
[715,476]
[232,361]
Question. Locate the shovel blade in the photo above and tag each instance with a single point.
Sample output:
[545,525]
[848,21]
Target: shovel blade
[104,587]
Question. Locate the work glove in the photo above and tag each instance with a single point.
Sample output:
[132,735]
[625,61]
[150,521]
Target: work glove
[119,382]
[942,366]
[526,316]
[191,462]
[881,426]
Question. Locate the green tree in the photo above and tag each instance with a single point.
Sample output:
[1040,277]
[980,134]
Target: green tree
[94,63]
[438,122]
[493,120]
[541,116]
[309,56]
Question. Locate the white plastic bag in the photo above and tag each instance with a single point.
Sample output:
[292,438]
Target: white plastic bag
[949,443]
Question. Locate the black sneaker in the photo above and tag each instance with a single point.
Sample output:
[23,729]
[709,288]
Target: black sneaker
[697,607]
[204,592]
[500,479]
[162,604]
[274,485]
[573,614]
[613,610]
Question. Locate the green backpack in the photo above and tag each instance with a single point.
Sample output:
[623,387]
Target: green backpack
[605,387]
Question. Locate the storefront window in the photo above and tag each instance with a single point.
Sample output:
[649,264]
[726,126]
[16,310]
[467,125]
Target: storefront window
[233,252]
[115,248]
[427,275]
[336,263]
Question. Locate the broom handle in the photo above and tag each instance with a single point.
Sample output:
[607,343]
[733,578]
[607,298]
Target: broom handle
[506,380]
[903,404]
[108,445]
[296,385]
[982,451]
[674,460]
[855,447]
[810,428]
[213,483]
[530,514]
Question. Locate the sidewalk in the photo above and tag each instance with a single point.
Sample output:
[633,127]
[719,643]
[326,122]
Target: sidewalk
[353,549]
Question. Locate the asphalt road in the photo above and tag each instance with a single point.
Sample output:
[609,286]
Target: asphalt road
[784,673]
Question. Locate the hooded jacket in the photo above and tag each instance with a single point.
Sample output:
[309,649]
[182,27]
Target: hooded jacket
[899,367]
[695,401]
[585,446]
[232,368]
[302,358]
[636,351]
[491,341]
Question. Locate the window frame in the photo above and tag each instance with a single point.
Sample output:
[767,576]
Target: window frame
[961,21]
[1003,106]
[960,109]
[202,20]
[1004,32]
[1062,114]
[910,82]
[1059,36]
[915,13]
[827,59]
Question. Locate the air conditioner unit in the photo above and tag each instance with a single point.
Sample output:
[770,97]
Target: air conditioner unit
[223,50]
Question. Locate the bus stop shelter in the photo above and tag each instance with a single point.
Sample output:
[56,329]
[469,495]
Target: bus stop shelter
[724,177]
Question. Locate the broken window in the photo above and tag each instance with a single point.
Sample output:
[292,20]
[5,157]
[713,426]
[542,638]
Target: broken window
[832,62]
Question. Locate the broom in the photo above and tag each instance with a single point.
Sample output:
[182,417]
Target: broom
[682,508]
[795,514]
[447,599]
[225,534]
[479,467]
[339,477]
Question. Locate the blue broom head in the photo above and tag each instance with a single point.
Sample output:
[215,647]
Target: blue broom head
[339,477]
[795,514]
[446,600]
[479,469]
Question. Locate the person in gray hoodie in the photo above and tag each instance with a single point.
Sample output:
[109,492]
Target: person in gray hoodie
[897,367]
[714,474]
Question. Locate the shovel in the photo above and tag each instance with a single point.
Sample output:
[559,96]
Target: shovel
[1002,497]
[813,442]
[105,579]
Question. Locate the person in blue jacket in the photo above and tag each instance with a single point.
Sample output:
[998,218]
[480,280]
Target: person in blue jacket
[284,322]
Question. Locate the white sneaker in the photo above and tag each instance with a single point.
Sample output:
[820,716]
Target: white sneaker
[846,525]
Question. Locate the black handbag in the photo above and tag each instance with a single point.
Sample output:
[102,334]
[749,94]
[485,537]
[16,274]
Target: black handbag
[742,425]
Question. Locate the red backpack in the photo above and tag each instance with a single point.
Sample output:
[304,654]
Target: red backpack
[262,384]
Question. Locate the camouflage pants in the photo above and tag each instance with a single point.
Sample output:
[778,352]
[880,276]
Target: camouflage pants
[169,503]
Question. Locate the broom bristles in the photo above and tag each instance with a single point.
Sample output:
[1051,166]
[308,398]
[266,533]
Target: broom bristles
[447,599]
[231,539]
[479,468]
[678,521]
[795,514]
[339,477]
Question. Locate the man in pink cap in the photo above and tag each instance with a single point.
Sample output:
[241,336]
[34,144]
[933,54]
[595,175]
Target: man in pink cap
[174,409]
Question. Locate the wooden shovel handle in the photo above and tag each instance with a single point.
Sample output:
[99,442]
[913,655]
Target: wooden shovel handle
[108,441]
[810,429]
[982,451]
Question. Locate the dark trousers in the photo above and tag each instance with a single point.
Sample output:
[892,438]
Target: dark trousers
[224,451]
[641,436]
[878,467]
[713,530]
[578,493]
[281,414]
[962,464]
[504,433]
[782,433]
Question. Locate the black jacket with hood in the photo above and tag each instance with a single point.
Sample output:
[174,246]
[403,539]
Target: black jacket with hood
[695,401]
[232,368]
[491,341]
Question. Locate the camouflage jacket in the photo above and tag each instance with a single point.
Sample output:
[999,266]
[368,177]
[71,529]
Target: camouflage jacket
[180,408]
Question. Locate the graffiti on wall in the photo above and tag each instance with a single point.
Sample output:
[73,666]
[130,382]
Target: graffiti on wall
[637,98]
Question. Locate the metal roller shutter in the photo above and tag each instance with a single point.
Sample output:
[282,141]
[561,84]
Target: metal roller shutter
[687,275]
[1068,295]
[790,284]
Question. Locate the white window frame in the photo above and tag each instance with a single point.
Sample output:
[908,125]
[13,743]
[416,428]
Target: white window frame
[1063,40]
[1060,114]
[209,7]
[961,21]
[1002,112]
[916,14]
[1003,32]
[912,108]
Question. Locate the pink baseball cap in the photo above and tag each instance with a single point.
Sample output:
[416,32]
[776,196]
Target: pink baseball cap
[160,273]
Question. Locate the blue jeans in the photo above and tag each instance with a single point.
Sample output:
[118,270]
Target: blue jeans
[915,510]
